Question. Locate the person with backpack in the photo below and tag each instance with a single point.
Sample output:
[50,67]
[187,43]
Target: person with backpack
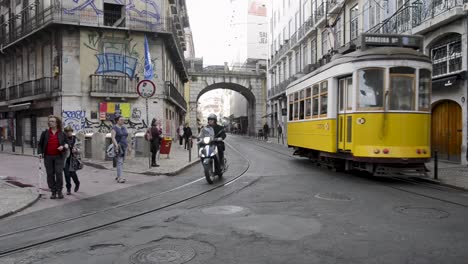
[52,147]
[119,136]
[69,169]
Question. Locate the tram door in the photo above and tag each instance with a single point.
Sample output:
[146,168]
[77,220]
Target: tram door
[345,122]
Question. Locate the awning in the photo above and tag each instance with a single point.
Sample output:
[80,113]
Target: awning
[19,107]
[446,82]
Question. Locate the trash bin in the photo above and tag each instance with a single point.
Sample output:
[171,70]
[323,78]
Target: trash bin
[108,141]
[165,145]
[88,146]
[141,145]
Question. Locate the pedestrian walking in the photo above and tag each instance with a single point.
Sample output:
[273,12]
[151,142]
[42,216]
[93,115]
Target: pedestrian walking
[69,169]
[280,133]
[119,136]
[180,134]
[155,141]
[265,131]
[52,147]
[187,136]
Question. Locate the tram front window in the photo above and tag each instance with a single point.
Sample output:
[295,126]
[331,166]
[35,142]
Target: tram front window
[371,87]
[402,92]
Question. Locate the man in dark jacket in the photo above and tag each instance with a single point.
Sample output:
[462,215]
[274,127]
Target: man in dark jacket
[219,133]
[52,147]
[187,136]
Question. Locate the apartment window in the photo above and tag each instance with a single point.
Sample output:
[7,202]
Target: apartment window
[313,51]
[447,56]
[290,29]
[297,20]
[113,15]
[372,12]
[279,72]
[285,37]
[325,42]
[305,11]
[338,32]
[290,66]
[298,62]
[354,22]
[305,54]
[284,71]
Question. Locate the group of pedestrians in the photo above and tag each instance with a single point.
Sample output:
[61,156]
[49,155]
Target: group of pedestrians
[60,152]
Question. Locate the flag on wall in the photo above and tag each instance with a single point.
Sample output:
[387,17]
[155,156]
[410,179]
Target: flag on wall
[148,66]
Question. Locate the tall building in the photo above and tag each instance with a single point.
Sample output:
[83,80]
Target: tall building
[82,60]
[248,31]
[306,33]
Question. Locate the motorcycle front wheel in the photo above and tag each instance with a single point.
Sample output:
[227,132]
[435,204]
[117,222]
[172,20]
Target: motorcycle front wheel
[209,175]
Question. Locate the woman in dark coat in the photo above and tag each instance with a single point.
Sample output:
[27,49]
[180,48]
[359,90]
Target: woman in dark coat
[187,136]
[155,142]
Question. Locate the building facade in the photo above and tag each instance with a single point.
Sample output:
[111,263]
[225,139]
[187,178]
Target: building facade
[306,33]
[82,61]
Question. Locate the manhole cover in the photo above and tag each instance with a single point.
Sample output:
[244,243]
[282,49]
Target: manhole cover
[169,251]
[223,210]
[422,212]
[333,197]
[165,253]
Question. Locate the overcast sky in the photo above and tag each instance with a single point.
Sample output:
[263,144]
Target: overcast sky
[209,21]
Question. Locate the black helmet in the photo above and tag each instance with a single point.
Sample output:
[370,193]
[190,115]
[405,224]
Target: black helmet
[212,117]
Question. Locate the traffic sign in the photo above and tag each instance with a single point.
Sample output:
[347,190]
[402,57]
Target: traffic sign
[146,88]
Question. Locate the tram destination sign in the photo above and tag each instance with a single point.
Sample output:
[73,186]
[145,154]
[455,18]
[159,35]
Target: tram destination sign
[391,40]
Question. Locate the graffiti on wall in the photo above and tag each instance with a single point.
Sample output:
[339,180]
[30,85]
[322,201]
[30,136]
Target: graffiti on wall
[136,113]
[147,12]
[105,126]
[75,119]
[113,62]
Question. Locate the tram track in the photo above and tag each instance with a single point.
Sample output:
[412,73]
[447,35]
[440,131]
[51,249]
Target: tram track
[433,186]
[14,250]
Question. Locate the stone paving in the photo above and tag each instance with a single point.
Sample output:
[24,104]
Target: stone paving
[96,178]
[14,199]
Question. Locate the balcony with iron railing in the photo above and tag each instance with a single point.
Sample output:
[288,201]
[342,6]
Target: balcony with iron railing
[175,96]
[420,16]
[113,86]
[31,89]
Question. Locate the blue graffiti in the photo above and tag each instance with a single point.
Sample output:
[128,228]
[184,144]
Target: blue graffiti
[75,119]
[140,15]
[87,3]
[114,62]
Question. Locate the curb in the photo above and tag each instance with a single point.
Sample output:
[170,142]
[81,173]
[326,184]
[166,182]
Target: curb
[38,196]
[149,173]
[439,182]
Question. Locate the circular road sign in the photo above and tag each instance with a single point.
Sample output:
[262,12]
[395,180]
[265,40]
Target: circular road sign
[146,88]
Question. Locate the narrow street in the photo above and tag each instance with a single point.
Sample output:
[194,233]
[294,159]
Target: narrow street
[281,209]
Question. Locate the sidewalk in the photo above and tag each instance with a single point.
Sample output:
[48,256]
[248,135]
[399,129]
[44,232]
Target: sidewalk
[450,174]
[177,161]
[97,177]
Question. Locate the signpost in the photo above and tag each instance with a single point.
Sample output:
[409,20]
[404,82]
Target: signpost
[146,89]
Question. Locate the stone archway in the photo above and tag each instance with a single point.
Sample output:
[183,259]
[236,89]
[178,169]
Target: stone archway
[248,95]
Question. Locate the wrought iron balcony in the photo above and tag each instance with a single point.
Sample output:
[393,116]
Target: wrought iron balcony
[414,14]
[174,95]
[113,86]
[43,86]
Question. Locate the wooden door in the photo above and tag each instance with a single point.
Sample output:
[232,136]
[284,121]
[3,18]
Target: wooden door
[446,131]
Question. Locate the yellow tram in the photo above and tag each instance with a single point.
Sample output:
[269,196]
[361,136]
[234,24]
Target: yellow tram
[366,110]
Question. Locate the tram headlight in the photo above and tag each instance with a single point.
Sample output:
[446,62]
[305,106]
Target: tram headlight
[376,151]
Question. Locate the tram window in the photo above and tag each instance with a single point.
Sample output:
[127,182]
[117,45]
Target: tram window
[424,90]
[315,106]
[296,106]
[341,93]
[315,89]
[371,88]
[290,111]
[301,110]
[308,103]
[402,94]
[324,87]
[323,104]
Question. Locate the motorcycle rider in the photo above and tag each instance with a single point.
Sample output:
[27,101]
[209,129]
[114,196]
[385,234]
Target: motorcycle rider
[219,133]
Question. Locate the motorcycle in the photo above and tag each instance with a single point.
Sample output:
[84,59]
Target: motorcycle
[208,152]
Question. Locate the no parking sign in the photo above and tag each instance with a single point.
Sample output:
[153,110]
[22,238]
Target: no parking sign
[146,88]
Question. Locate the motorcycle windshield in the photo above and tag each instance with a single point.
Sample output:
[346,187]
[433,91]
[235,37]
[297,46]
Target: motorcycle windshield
[207,132]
